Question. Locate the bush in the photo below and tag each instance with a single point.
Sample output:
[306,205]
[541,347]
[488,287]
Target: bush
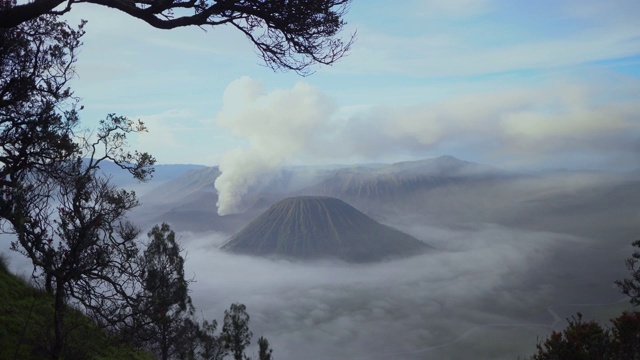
[590,341]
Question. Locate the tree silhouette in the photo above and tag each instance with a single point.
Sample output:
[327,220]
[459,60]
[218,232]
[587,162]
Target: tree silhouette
[165,308]
[235,330]
[631,286]
[264,351]
[288,34]
[77,237]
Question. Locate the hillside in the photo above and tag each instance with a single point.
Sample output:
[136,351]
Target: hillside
[311,227]
[26,326]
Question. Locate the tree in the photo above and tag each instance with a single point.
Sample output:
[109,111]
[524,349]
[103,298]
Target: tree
[37,108]
[264,351]
[292,34]
[73,229]
[626,336]
[213,347]
[188,342]
[579,341]
[631,286]
[165,307]
[589,340]
[235,330]
[68,219]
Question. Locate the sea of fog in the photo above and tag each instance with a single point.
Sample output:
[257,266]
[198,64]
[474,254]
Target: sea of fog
[488,292]
[512,262]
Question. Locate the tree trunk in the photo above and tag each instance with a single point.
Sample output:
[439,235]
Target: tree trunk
[164,347]
[58,321]
[47,284]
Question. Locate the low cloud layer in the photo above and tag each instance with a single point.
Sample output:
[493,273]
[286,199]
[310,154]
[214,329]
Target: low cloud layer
[486,284]
[512,262]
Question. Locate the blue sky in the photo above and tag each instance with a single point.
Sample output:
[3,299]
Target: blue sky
[510,83]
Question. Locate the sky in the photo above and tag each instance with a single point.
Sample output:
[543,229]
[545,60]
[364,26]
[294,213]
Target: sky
[517,84]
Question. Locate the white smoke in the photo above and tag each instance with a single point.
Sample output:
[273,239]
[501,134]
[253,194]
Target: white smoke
[276,126]
[517,125]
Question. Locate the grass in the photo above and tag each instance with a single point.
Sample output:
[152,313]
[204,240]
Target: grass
[26,326]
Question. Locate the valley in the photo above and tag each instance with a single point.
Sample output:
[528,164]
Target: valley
[512,251]
[512,255]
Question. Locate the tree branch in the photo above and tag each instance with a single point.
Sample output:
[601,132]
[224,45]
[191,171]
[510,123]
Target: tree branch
[290,35]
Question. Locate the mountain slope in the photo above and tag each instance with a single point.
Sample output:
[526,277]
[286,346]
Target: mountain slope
[26,326]
[311,227]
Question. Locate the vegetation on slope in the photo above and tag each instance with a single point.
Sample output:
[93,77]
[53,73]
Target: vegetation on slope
[26,328]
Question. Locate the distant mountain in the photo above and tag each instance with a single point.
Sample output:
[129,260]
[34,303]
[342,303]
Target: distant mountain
[398,180]
[311,227]
[166,172]
[445,165]
[184,186]
[188,203]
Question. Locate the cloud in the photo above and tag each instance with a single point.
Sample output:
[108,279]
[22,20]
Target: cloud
[454,8]
[485,280]
[494,39]
[488,292]
[507,120]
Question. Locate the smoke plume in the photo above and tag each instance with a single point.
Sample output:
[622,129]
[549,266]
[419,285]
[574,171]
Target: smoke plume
[276,126]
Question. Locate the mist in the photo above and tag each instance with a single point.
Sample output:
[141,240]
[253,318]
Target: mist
[515,256]
[488,287]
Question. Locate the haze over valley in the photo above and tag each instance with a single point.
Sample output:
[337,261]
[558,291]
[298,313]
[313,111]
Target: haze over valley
[514,253]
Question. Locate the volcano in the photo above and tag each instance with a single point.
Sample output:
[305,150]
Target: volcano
[314,227]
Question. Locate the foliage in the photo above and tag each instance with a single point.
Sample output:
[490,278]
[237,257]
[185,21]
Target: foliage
[631,286]
[212,346]
[68,219]
[579,341]
[590,341]
[25,327]
[625,336]
[264,351]
[36,106]
[235,330]
[74,231]
[163,321]
[288,34]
